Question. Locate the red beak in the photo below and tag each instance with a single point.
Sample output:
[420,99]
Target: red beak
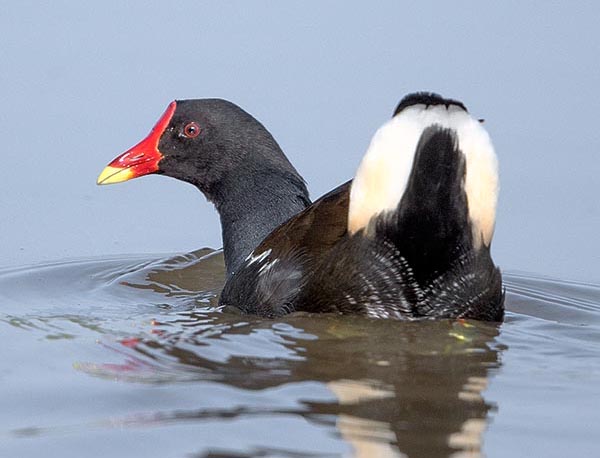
[143,158]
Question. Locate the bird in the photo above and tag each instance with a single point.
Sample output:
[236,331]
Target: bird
[408,238]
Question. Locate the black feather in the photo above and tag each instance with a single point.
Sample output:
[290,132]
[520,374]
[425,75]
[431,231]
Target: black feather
[427,99]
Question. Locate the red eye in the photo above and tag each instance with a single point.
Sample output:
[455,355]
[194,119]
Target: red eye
[191,130]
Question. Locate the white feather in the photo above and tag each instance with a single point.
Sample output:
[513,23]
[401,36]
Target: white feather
[383,174]
[252,258]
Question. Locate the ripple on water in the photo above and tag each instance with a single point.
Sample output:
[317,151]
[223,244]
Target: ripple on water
[134,350]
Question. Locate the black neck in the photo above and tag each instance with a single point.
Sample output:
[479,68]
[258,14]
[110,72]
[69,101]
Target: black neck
[252,207]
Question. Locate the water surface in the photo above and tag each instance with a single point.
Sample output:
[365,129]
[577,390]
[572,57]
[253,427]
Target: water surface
[129,356]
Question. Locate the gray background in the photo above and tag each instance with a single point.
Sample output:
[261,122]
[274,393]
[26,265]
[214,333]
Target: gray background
[79,84]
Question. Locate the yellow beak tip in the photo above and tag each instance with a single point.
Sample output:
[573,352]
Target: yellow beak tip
[112,175]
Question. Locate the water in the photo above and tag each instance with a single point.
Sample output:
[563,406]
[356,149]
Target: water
[129,356]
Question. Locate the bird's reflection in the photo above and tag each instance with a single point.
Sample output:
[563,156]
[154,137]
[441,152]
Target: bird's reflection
[397,388]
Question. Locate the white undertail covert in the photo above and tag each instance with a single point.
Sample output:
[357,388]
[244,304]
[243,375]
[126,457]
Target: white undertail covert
[383,174]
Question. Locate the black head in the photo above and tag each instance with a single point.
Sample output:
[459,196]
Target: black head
[205,142]
[210,141]
[230,156]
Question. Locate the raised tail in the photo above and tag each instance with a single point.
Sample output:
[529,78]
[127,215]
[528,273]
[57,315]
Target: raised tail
[428,185]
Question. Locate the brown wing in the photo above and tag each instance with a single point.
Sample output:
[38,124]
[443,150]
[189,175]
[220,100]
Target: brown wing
[316,229]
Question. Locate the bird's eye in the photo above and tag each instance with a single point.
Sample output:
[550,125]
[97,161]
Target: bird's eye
[191,130]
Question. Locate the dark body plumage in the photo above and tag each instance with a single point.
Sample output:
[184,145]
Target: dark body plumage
[415,262]
[425,256]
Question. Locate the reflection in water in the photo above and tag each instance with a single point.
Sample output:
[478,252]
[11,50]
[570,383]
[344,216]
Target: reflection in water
[409,387]
[398,388]
[374,388]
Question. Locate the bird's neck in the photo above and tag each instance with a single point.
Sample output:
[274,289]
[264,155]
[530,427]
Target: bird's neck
[252,207]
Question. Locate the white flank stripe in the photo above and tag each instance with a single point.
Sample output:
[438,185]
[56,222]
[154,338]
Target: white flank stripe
[252,258]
